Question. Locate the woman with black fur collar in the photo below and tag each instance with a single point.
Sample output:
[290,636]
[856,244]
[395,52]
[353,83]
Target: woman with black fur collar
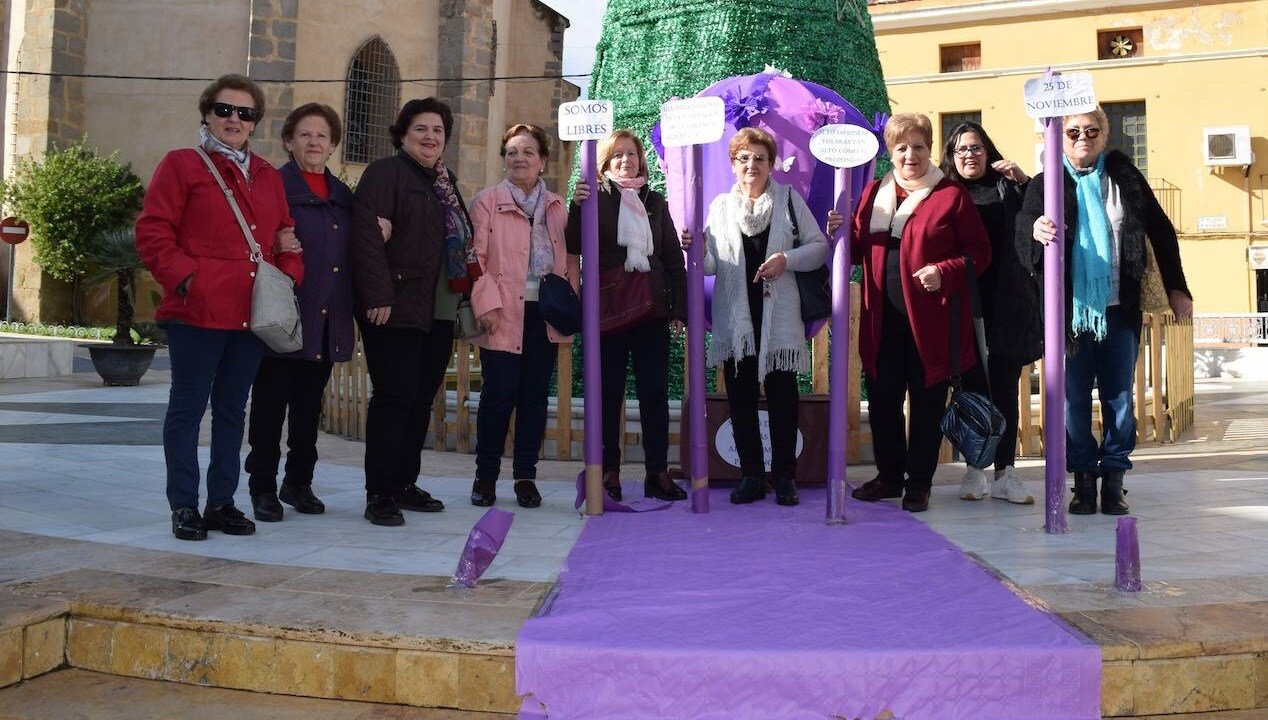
[1110,213]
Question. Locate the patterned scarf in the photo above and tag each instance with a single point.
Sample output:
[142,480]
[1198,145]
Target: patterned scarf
[1092,276]
[460,257]
[753,214]
[541,254]
[213,144]
[633,229]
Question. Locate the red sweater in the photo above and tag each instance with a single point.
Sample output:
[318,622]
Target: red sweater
[187,230]
[944,227]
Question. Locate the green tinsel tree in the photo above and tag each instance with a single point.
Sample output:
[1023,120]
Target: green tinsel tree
[653,50]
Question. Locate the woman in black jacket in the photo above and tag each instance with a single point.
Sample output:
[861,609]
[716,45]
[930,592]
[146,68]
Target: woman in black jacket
[1010,299]
[1110,215]
[636,233]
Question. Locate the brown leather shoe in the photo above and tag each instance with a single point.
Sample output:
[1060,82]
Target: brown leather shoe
[876,489]
[612,484]
[661,487]
[916,501]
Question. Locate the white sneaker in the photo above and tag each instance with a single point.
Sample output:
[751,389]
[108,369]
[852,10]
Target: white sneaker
[1010,487]
[974,485]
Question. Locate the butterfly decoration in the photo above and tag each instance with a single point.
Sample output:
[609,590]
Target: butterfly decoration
[785,164]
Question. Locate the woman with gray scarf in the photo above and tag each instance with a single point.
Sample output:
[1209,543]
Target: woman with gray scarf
[758,334]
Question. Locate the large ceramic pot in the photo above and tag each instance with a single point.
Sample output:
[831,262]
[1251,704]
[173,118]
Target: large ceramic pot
[121,364]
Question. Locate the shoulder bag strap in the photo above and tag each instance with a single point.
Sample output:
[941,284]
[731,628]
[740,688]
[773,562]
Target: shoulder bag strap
[792,215]
[256,255]
[979,328]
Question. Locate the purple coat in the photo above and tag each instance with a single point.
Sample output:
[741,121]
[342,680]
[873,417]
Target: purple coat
[324,228]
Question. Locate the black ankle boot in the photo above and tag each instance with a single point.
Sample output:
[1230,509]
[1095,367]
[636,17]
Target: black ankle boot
[752,488]
[786,491]
[662,487]
[1084,502]
[1112,493]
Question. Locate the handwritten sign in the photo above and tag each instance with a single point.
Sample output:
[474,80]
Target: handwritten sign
[844,146]
[1058,95]
[586,120]
[694,121]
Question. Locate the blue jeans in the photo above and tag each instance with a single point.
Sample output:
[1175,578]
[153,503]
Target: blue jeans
[1111,364]
[207,364]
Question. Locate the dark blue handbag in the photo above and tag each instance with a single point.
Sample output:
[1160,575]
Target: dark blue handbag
[971,421]
[559,305]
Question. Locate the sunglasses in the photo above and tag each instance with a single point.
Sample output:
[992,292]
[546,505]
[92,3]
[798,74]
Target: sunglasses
[970,150]
[1090,133]
[245,114]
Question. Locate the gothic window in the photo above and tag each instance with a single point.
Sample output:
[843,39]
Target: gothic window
[372,99]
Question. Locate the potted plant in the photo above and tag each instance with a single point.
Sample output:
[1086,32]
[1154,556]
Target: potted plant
[113,255]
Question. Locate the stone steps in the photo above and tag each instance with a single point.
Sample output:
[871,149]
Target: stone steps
[78,694]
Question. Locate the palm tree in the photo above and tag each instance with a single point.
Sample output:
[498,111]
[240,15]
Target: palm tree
[113,255]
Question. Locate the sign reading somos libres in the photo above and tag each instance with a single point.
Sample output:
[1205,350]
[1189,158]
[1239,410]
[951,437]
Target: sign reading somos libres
[1058,95]
[586,120]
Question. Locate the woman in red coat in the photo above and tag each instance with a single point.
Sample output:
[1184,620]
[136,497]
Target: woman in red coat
[913,229]
[191,241]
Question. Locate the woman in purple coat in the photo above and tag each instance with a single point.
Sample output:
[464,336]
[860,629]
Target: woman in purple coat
[290,386]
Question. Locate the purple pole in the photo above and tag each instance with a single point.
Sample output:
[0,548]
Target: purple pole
[1127,556]
[838,372]
[1054,333]
[695,330]
[593,403]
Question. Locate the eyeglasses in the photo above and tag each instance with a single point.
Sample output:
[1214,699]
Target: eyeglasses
[745,158]
[970,150]
[1075,133]
[245,114]
[514,154]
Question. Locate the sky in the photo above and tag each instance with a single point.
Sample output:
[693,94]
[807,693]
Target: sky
[585,22]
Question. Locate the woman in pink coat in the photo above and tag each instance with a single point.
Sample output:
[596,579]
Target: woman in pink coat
[519,238]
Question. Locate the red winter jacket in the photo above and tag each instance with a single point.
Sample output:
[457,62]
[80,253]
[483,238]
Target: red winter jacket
[187,229]
[944,228]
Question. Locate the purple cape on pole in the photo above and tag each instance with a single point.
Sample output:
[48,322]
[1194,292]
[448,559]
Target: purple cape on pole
[789,109]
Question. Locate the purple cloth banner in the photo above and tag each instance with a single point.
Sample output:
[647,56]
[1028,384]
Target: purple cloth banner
[483,543]
[766,612]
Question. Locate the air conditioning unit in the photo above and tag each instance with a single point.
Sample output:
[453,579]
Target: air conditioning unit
[1228,145]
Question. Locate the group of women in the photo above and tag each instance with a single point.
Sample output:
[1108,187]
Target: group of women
[402,254]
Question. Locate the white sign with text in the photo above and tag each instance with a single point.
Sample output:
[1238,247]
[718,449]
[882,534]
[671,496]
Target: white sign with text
[1058,95]
[844,146]
[694,121]
[586,120]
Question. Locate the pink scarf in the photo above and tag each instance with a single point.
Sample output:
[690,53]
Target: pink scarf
[633,229]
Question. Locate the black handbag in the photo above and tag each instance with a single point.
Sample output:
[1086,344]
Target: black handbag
[971,421]
[814,286]
[559,304]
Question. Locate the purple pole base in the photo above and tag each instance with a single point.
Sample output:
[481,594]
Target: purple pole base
[1127,556]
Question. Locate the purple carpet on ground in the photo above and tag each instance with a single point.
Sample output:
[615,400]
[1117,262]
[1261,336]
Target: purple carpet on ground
[761,611]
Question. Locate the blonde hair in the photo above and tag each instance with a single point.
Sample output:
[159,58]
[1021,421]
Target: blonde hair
[607,148]
[903,124]
[1102,120]
[752,136]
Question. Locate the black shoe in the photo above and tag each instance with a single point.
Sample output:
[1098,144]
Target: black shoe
[228,519]
[187,524]
[417,499]
[382,510]
[876,489]
[752,488]
[301,498]
[612,484]
[526,494]
[786,491]
[483,493]
[916,501]
[1084,502]
[1112,493]
[266,508]
[660,486]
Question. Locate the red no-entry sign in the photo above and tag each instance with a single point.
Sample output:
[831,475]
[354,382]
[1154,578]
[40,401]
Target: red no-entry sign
[13,230]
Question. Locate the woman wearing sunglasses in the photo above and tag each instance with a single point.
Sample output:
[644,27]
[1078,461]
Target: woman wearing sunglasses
[1110,213]
[1010,299]
[191,240]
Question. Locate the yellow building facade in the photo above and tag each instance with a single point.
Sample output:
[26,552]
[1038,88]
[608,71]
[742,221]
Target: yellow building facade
[1185,85]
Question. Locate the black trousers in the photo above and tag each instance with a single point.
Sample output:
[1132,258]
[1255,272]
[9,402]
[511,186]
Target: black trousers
[407,367]
[1005,373]
[519,383]
[742,394]
[901,459]
[647,345]
[285,389]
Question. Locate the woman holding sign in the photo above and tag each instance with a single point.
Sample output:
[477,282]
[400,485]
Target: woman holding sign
[756,237]
[913,229]
[644,294]
[1112,222]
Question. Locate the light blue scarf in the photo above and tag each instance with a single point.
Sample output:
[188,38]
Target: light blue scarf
[1093,255]
[213,144]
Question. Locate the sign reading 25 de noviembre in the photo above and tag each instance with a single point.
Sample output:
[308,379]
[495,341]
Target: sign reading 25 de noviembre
[1058,95]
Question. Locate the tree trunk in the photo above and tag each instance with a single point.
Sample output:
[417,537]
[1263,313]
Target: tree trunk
[123,309]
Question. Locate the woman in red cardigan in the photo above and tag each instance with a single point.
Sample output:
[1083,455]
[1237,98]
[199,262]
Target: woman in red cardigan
[189,238]
[913,229]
